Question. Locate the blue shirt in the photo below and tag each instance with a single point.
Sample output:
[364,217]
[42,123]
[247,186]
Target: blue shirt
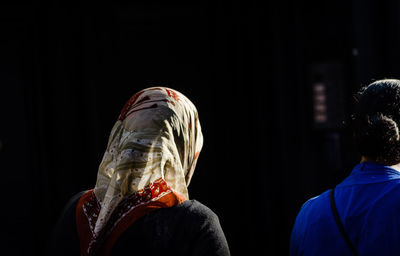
[368,203]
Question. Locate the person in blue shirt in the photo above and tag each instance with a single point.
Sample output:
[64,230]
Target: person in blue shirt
[361,215]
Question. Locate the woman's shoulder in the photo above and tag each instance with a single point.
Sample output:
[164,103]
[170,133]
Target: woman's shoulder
[318,201]
[200,212]
[196,208]
[315,208]
[188,211]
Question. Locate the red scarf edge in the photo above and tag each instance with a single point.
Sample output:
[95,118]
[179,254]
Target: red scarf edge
[82,223]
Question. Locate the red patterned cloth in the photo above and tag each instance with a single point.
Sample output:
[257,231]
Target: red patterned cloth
[156,195]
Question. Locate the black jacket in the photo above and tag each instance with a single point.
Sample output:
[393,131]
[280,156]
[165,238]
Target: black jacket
[186,229]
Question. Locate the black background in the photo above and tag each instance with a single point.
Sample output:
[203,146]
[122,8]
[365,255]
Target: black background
[67,68]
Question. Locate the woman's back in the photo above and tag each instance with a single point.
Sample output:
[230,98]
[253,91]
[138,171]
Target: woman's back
[189,228]
[368,203]
[140,200]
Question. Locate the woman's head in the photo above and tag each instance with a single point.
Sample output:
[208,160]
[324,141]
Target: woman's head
[376,122]
[157,136]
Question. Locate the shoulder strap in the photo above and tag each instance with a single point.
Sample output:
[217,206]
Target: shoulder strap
[340,225]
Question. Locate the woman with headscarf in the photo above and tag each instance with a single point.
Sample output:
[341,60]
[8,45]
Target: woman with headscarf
[140,204]
[361,215]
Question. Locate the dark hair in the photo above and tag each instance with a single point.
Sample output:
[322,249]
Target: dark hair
[376,122]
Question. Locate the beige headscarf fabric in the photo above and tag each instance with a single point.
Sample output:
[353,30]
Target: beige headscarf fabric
[157,135]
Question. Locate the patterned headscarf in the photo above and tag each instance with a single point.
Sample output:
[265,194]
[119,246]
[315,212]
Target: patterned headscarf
[150,158]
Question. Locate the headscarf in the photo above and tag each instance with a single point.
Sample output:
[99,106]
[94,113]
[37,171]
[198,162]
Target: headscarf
[150,157]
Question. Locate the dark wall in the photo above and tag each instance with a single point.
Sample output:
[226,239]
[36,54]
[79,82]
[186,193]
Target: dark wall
[66,69]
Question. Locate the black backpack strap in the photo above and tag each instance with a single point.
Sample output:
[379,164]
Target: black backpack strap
[340,225]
